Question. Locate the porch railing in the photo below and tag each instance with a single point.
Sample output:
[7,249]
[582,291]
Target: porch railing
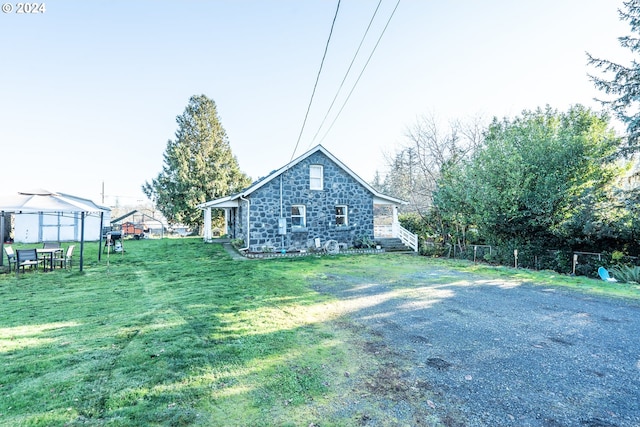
[407,237]
[396,230]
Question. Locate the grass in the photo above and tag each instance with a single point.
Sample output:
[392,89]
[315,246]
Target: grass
[175,333]
[171,333]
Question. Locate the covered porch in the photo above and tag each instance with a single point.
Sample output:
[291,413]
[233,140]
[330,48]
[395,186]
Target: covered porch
[226,204]
[387,226]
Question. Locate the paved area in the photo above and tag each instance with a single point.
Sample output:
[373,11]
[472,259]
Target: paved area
[492,353]
[232,252]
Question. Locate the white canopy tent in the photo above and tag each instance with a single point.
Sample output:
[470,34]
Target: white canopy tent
[47,202]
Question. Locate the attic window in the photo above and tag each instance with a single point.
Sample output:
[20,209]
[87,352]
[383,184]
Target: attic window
[316,177]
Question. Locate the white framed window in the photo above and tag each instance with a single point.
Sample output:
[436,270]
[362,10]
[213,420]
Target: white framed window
[316,177]
[298,216]
[342,218]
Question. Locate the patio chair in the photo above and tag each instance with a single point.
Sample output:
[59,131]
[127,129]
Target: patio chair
[67,259]
[27,258]
[11,256]
[604,275]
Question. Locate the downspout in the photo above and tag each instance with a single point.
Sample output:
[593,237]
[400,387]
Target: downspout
[1,238]
[281,213]
[248,223]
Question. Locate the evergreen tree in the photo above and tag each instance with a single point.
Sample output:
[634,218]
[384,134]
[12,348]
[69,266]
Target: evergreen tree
[198,165]
[624,86]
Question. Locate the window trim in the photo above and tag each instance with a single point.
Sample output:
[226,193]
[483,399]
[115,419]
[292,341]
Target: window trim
[318,180]
[302,215]
[345,215]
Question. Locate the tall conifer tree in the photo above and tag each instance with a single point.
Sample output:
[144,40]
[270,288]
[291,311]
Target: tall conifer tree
[624,83]
[198,165]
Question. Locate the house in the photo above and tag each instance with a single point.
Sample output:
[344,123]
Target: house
[313,197]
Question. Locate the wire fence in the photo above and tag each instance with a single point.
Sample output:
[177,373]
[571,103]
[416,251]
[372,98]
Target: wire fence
[562,261]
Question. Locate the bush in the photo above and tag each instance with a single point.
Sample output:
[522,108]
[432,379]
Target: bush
[626,274]
[415,224]
[363,241]
[433,250]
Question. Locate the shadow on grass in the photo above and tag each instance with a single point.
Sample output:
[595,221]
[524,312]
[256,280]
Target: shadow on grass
[173,332]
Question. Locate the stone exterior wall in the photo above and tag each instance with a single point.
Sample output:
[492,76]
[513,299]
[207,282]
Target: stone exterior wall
[339,189]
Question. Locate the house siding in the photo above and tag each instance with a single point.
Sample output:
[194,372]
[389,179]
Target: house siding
[339,188]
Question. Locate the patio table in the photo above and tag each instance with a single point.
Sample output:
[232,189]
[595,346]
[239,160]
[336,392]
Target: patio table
[51,252]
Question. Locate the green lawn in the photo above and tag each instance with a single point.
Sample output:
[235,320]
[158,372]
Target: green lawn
[174,333]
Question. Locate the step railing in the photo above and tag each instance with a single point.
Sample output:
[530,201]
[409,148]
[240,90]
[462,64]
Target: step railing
[407,237]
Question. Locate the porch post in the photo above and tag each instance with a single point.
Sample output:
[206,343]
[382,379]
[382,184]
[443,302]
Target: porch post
[227,213]
[207,225]
[394,227]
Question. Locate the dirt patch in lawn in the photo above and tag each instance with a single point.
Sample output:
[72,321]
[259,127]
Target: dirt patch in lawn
[450,349]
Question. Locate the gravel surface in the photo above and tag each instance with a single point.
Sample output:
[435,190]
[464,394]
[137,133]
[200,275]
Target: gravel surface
[458,350]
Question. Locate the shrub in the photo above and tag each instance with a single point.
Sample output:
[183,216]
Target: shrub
[433,250]
[626,274]
[363,242]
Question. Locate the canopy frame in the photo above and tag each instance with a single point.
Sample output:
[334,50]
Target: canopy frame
[46,202]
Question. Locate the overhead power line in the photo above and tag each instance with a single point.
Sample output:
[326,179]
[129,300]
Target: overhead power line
[361,72]
[347,73]
[326,48]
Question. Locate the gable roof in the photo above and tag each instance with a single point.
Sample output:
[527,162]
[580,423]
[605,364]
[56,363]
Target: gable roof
[233,200]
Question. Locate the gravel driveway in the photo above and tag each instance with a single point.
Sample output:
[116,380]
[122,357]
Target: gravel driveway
[458,350]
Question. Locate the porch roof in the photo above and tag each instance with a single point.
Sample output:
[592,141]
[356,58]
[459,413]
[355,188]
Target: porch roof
[224,202]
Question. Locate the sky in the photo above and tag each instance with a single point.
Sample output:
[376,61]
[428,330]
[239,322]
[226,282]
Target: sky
[90,90]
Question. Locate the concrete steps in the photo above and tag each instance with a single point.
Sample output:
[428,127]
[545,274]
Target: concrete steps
[390,244]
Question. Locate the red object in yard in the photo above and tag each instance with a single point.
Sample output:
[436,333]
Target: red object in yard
[131,229]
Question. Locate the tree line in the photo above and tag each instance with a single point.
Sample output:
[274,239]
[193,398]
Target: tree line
[544,180]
